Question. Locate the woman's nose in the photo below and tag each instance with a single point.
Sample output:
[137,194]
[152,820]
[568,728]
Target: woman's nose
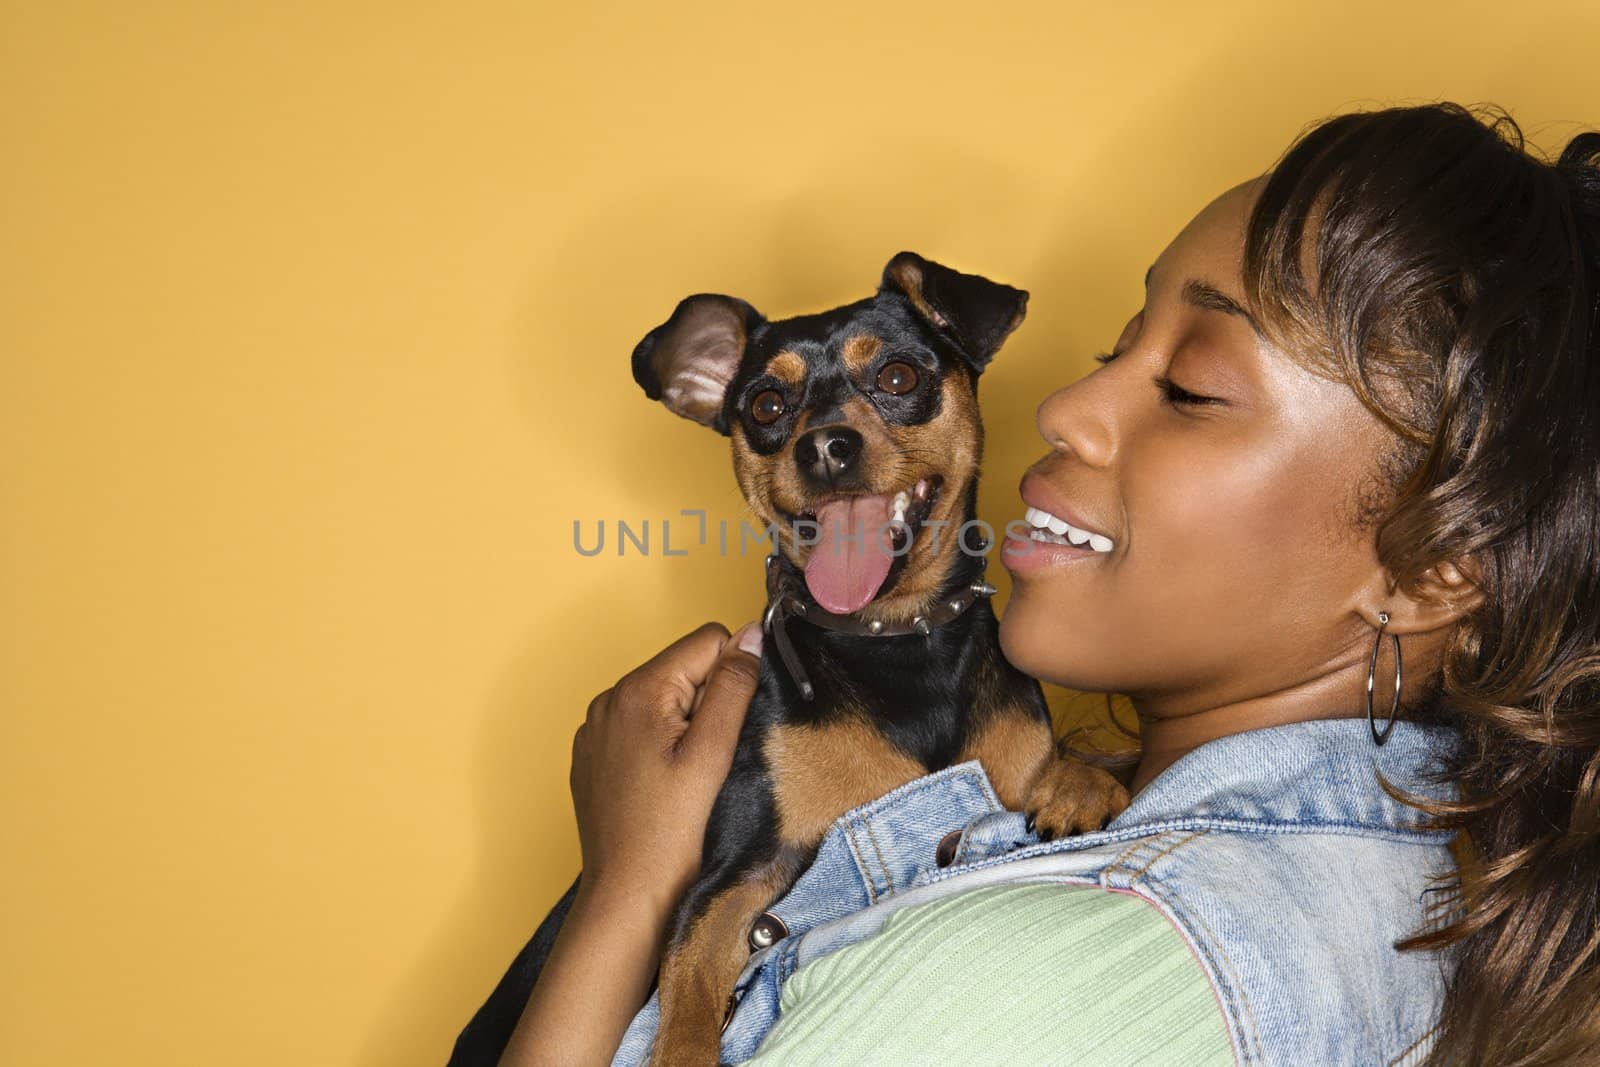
[1079,418]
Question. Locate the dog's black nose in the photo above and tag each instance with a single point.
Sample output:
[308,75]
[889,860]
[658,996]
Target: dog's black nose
[827,454]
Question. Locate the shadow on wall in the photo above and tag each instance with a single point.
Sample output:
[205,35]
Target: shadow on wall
[786,257]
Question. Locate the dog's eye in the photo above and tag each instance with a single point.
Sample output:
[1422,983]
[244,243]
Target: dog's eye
[897,378]
[766,407]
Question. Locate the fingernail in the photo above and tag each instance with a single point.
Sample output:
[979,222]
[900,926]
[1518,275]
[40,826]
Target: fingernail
[750,638]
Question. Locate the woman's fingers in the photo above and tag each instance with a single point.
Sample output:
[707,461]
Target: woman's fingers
[724,700]
[667,682]
[670,691]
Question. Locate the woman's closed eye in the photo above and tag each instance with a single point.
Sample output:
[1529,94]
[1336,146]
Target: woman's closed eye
[1171,391]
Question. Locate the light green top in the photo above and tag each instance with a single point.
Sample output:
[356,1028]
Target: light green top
[1013,974]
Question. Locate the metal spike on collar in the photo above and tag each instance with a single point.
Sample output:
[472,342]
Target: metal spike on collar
[875,627]
[921,625]
[983,588]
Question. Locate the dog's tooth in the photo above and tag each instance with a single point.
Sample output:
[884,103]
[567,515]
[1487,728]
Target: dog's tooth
[920,490]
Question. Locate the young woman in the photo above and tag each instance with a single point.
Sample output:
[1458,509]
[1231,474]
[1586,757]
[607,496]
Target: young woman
[1349,455]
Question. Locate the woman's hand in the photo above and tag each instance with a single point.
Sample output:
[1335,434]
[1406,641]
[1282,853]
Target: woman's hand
[649,759]
[646,767]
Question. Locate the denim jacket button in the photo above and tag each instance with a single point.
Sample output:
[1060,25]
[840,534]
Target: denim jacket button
[767,931]
[945,854]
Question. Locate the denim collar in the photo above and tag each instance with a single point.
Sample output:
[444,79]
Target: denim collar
[1318,772]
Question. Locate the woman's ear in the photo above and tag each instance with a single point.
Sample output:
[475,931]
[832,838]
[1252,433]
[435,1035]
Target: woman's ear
[972,311]
[688,361]
[1453,590]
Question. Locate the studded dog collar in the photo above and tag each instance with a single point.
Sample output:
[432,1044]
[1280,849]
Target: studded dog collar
[787,599]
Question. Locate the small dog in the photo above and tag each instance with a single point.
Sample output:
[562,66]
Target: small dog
[855,435]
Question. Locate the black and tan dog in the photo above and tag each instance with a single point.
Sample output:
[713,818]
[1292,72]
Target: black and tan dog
[856,434]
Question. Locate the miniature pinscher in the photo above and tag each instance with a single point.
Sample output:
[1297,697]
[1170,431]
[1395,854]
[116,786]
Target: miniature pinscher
[856,441]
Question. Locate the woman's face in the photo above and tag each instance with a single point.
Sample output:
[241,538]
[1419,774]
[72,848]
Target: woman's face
[1235,565]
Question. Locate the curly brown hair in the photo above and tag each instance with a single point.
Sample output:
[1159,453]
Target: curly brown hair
[1451,277]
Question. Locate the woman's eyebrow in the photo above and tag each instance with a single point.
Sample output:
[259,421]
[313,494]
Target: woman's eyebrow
[1204,295]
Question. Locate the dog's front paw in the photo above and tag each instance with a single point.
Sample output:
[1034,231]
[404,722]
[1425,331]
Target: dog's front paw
[1072,797]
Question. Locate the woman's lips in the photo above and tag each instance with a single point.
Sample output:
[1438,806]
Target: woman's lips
[1029,548]
[1022,554]
[1044,501]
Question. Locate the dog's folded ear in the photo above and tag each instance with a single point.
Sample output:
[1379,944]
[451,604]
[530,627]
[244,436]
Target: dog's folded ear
[688,361]
[976,314]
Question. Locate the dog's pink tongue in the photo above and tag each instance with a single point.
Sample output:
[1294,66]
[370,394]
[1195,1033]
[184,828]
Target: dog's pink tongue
[852,556]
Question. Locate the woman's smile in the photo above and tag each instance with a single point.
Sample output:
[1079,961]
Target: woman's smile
[1057,532]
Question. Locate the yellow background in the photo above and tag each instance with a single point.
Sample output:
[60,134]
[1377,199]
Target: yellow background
[314,326]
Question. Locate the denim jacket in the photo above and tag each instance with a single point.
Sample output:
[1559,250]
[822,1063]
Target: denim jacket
[1274,852]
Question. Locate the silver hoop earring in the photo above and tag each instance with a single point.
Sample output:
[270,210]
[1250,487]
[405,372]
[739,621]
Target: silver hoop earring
[1372,666]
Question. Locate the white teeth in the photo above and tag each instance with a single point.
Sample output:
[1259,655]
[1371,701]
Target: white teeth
[1049,528]
[902,500]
